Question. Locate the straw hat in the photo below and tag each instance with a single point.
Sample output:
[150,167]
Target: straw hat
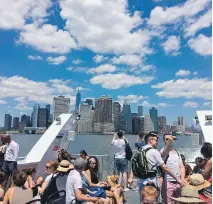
[197,182]
[64,166]
[189,195]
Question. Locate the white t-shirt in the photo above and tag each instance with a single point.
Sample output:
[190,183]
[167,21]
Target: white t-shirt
[119,145]
[48,178]
[154,159]
[73,182]
[11,151]
[173,162]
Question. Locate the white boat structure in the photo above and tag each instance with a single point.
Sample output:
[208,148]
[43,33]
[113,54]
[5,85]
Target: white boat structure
[58,135]
[205,120]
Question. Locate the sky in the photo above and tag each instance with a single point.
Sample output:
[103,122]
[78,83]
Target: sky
[154,53]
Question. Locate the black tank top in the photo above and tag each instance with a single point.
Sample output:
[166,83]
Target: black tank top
[94,177]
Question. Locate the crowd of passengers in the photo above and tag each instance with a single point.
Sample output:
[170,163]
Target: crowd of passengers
[174,182]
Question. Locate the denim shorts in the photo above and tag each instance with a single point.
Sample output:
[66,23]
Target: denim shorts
[121,165]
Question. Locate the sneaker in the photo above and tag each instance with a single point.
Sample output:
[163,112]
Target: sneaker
[126,189]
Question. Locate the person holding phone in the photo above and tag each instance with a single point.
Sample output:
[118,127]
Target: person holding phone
[172,158]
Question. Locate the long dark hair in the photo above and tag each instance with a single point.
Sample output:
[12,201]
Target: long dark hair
[96,169]
[206,150]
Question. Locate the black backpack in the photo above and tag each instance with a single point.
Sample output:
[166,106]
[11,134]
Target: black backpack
[128,151]
[140,167]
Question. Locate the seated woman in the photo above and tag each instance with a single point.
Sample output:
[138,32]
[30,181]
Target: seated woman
[83,155]
[50,168]
[17,194]
[91,174]
[30,183]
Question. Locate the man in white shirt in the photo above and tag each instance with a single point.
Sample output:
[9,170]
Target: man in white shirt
[154,159]
[118,142]
[11,155]
[74,185]
[171,188]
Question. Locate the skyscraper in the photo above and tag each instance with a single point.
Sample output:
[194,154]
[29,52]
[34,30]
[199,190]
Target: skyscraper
[127,117]
[162,124]
[137,124]
[181,124]
[140,110]
[103,115]
[78,101]
[7,121]
[35,115]
[85,122]
[48,114]
[116,108]
[118,117]
[42,117]
[153,112]
[148,124]
[15,123]
[60,105]
[25,119]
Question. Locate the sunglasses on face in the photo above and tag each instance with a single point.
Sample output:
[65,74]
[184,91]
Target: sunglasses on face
[93,163]
[47,167]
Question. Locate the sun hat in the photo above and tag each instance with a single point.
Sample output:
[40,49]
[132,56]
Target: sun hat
[64,166]
[80,163]
[197,182]
[189,195]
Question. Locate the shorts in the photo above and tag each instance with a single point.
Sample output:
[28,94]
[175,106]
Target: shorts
[121,165]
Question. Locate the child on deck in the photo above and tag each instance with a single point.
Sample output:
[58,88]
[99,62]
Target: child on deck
[149,195]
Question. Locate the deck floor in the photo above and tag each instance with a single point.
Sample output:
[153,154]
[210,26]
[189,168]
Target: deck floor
[132,197]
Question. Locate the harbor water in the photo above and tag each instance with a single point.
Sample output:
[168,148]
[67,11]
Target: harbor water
[100,144]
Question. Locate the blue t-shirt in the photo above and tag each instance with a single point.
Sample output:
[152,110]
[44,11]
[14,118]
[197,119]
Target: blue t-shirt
[139,144]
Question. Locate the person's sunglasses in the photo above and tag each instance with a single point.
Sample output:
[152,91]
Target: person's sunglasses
[93,163]
[47,167]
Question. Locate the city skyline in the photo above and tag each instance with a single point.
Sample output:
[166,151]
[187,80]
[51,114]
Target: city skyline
[89,101]
[154,53]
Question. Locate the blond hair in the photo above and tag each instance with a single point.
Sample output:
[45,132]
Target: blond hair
[149,191]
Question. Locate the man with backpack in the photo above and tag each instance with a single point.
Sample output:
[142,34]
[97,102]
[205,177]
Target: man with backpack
[122,153]
[145,162]
[172,158]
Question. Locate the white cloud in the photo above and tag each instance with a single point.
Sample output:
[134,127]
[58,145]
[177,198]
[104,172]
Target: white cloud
[187,88]
[190,104]
[39,92]
[131,98]
[3,102]
[47,38]
[183,72]
[202,22]
[207,104]
[116,81]
[61,86]
[56,60]
[172,45]
[13,13]
[78,69]
[195,73]
[77,61]
[34,57]
[82,89]
[102,69]
[106,27]
[163,105]
[172,15]
[100,58]
[127,59]
[143,68]
[201,45]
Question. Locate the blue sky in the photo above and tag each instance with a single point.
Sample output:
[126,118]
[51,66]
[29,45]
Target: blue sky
[153,53]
